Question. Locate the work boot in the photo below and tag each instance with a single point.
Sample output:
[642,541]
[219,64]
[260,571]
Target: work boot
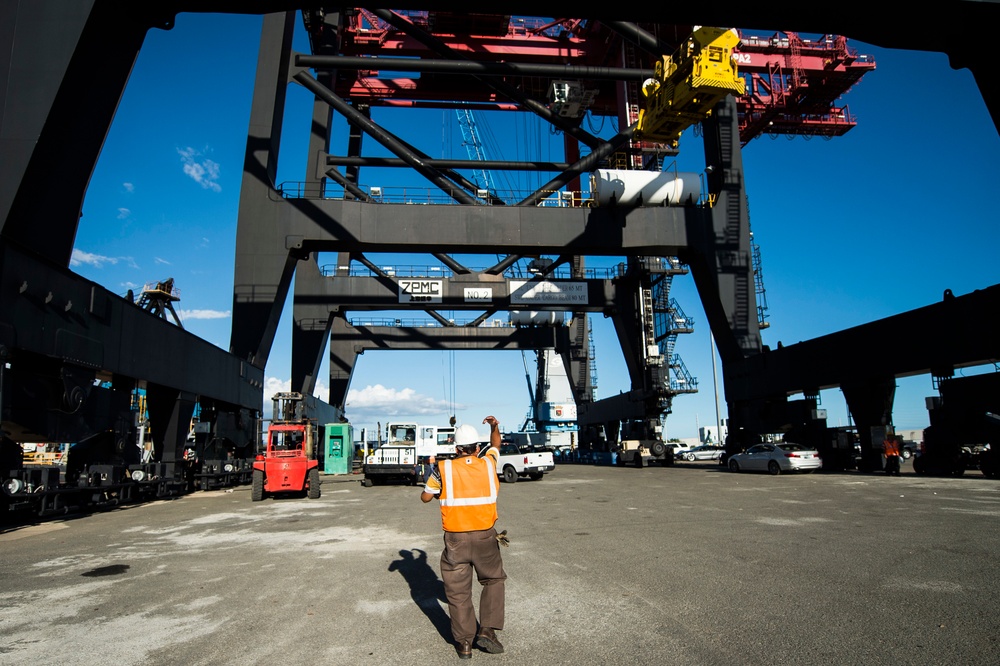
[487,640]
[464,649]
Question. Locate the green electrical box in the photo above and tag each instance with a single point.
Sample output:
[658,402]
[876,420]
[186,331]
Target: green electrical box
[339,448]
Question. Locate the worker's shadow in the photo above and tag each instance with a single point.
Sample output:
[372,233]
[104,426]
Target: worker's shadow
[426,588]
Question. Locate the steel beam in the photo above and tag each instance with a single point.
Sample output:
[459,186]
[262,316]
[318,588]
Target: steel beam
[262,277]
[473,67]
[319,298]
[363,293]
[54,313]
[896,346]
[334,225]
[488,165]
[504,89]
[63,79]
[721,263]
[347,342]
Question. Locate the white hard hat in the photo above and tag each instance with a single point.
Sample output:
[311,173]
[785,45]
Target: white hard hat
[466,435]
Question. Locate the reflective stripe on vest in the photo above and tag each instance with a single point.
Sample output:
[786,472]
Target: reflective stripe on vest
[468,502]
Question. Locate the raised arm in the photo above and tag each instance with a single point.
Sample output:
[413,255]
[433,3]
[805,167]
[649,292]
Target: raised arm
[494,431]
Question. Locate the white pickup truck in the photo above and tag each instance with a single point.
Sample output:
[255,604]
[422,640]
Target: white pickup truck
[515,463]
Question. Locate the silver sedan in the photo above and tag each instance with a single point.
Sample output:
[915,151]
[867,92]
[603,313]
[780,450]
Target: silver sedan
[703,452]
[776,458]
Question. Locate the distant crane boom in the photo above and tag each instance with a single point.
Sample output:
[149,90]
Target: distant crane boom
[473,145]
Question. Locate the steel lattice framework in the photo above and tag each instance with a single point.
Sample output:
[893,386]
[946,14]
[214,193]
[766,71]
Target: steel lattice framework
[73,351]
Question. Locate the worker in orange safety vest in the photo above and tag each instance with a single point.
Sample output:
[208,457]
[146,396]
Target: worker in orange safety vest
[467,488]
[890,447]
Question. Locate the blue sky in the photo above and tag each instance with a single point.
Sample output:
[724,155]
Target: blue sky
[853,229]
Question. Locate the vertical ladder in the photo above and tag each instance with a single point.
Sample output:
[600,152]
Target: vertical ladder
[758,276]
[630,60]
[648,323]
[592,358]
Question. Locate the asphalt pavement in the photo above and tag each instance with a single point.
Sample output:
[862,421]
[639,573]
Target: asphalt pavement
[690,564]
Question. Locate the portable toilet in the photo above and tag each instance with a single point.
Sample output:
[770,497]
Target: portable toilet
[339,448]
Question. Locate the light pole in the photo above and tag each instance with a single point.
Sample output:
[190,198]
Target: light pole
[3,363]
[715,384]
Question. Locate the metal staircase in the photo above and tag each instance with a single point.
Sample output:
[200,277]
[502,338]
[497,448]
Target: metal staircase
[669,322]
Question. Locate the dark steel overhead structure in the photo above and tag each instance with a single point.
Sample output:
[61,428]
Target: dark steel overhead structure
[75,350]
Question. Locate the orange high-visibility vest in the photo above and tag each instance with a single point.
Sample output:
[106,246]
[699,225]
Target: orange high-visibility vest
[468,494]
[890,447]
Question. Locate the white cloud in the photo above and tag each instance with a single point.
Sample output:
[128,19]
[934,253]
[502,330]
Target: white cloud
[162,261]
[80,257]
[202,170]
[124,213]
[376,402]
[129,187]
[370,404]
[274,385]
[203,314]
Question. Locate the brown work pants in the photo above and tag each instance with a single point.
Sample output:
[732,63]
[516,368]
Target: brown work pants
[463,552]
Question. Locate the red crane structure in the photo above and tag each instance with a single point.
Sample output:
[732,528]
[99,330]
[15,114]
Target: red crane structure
[793,84]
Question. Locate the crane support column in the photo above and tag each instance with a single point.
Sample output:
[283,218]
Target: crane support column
[721,255]
[265,260]
[311,325]
[170,414]
[871,406]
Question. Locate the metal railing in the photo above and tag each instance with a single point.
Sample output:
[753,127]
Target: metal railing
[435,272]
[426,323]
[422,196]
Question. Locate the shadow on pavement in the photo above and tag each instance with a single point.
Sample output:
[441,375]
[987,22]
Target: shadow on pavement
[426,589]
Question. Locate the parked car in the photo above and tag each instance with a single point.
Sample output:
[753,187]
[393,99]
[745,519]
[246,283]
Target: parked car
[910,449]
[776,458]
[514,463]
[679,449]
[703,452]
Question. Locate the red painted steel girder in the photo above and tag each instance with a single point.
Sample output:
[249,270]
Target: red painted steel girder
[787,77]
[793,83]
[527,39]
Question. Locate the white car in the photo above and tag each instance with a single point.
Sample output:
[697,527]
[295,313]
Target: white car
[776,458]
[703,452]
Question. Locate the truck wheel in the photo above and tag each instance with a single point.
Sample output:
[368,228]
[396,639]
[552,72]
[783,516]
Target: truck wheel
[313,480]
[535,476]
[658,449]
[509,474]
[257,489]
